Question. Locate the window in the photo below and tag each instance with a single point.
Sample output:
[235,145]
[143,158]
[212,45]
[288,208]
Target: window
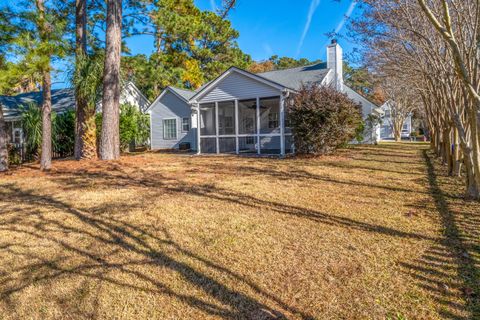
[170,129]
[17,136]
[185,124]
[249,140]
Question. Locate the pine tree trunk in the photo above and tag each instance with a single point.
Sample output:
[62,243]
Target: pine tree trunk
[45,29]
[3,143]
[81,118]
[46,158]
[110,139]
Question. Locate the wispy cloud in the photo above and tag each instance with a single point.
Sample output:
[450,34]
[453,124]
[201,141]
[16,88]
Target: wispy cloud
[313,7]
[213,5]
[347,15]
[268,50]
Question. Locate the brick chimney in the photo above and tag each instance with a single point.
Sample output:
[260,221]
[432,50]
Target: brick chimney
[335,62]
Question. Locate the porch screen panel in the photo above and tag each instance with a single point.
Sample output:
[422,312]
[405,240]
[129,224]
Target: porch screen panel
[226,118]
[207,120]
[248,144]
[227,145]
[270,115]
[247,116]
[208,145]
[270,145]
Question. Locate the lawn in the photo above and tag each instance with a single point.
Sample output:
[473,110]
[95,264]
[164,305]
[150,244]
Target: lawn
[374,232]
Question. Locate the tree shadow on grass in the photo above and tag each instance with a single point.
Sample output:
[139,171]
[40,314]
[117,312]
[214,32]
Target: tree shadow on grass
[117,237]
[448,270]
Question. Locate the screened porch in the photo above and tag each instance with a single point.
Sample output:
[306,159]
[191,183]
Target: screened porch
[250,126]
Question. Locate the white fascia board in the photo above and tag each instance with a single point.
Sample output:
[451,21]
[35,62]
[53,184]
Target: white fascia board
[167,89]
[250,75]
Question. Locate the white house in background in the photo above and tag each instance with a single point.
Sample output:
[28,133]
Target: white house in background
[242,112]
[386,128]
[62,100]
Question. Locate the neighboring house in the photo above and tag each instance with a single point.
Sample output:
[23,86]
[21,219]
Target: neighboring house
[62,100]
[242,112]
[386,128]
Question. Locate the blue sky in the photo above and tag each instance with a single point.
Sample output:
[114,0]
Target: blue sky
[294,28]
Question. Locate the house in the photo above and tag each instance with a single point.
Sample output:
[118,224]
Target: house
[62,100]
[242,112]
[386,127]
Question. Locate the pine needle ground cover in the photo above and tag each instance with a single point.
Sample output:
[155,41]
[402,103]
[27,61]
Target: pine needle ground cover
[374,232]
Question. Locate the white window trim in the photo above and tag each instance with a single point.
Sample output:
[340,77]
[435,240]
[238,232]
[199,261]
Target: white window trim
[189,124]
[176,129]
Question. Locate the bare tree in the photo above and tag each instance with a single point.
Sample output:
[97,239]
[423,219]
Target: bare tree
[402,101]
[436,47]
[110,140]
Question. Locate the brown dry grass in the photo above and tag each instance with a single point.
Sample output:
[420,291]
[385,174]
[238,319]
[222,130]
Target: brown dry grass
[372,233]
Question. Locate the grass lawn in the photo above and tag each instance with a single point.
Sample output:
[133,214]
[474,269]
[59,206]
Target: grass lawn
[374,232]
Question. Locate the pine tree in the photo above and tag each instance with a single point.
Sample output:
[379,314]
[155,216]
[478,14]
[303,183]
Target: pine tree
[110,138]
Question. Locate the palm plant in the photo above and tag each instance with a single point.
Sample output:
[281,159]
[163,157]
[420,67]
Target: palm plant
[87,80]
[32,127]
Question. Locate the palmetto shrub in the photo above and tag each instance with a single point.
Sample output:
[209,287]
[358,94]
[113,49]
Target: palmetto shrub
[322,119]
[63,130]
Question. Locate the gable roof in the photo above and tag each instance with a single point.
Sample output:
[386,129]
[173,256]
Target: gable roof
[185,94]
[203,90]
[182,94]
[293,78]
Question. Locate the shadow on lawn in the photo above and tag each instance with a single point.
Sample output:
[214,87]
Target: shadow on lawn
[119,237]
[452,255]
[154,247]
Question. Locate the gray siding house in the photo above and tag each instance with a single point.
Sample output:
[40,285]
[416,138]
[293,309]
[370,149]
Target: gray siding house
[171,120]
[241,112]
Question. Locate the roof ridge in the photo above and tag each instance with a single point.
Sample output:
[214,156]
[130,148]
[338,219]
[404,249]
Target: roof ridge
[305,66]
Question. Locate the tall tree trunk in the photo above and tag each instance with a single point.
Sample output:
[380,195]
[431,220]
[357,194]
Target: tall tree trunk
[110,140]
[82,148]
[44,30]
[46,158]
[3,143]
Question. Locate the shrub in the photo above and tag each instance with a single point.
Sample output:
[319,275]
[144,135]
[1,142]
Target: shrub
[32,128]
[63,132]
[322,119]
[134,127]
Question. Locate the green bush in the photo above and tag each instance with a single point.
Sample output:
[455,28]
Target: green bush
[134,127]
[322,119]
[32,129]
[63,131]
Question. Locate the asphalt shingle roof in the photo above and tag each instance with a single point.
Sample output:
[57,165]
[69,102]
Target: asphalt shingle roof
[186,94]
[294,77]
[62,99]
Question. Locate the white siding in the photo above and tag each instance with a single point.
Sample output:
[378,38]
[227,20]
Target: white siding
[132,96]
[238,86]
[171,107]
